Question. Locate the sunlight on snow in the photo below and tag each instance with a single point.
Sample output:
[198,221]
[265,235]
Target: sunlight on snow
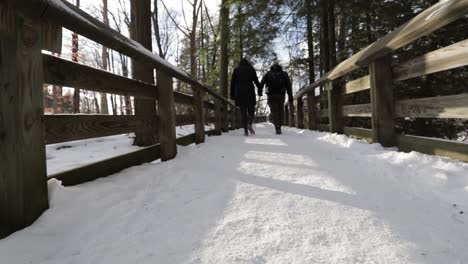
[283,158]
[292,174]
[265,141]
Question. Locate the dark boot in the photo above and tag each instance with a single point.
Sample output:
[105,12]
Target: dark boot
[278,130]
[246,132]
[252,131]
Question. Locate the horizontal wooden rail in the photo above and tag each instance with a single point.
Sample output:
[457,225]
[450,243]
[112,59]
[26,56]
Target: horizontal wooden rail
[357,85]
[450,57]
[62,72]
[452,106]
[323,127]
[64,128]
[360,133]
[431,19]
[408,143]
[108,166]
[62,13]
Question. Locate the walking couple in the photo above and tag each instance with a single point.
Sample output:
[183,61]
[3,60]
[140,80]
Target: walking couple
[243,92]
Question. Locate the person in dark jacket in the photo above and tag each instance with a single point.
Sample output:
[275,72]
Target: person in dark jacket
[243,92]
[278,83]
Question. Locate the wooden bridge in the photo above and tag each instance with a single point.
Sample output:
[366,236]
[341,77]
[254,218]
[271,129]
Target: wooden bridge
[27,27]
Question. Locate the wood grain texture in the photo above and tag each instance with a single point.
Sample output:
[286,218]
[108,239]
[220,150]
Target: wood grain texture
[23,190]
[357,85]
[108,167]
[452,106]
[167,117]
[361,110]
[323,127]
[359,133]
[63,128]
[52,38]
[186,140]
[335,107]
[58,71]
[443,59]
[7,20]
[300,113]
[432,146]
[382,104]
[199,113]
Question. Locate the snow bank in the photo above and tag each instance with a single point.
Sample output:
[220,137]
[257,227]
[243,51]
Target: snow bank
[300,197]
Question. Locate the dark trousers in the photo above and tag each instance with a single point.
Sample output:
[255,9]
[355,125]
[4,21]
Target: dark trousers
[276,104]
[247,115]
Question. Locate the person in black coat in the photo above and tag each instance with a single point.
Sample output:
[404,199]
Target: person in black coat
[278,84]
[243,92]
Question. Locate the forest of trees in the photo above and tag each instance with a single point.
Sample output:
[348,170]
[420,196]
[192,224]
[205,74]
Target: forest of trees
[308,37]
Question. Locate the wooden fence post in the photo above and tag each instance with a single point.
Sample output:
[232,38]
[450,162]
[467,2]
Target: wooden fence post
[382,103]
[335,108]
[311,111]
[23,173]
[167,117]
[300,113]
[218,117]
[292,120]
[286,115]
[198,107]
[225,117]
[233,118]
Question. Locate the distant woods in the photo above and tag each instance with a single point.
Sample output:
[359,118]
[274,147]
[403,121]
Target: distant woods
[309,37]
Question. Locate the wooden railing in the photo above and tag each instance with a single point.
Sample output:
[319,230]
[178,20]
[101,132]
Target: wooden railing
[383,109]
[29,26]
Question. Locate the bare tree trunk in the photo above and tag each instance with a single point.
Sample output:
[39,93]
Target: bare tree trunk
[310,41]
[224,56]
[140,31]
[331,33]
[105,55]
[76,94]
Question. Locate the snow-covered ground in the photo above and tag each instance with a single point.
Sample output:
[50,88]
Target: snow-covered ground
[70,155]
[300,197]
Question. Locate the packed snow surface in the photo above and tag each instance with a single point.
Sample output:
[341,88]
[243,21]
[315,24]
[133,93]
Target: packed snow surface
[300,197]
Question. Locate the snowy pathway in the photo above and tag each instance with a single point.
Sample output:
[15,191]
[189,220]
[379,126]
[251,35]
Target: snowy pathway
[300,197]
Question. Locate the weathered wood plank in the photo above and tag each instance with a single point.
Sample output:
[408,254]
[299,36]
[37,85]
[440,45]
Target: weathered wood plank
[199,112]
[167,117]
[23,190]
[359,133]
[311,111]
[452,106]
[181,98]
[382,104]
[443,59]
[432,146]
[323,113]
[186,140]
[360,110]
[428,21]
[108,167]
[58,71]
[323,127]
[63,128]
[335,107]
[52,38]
[300,113]
[7,20]
[357,85]
[184,120]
